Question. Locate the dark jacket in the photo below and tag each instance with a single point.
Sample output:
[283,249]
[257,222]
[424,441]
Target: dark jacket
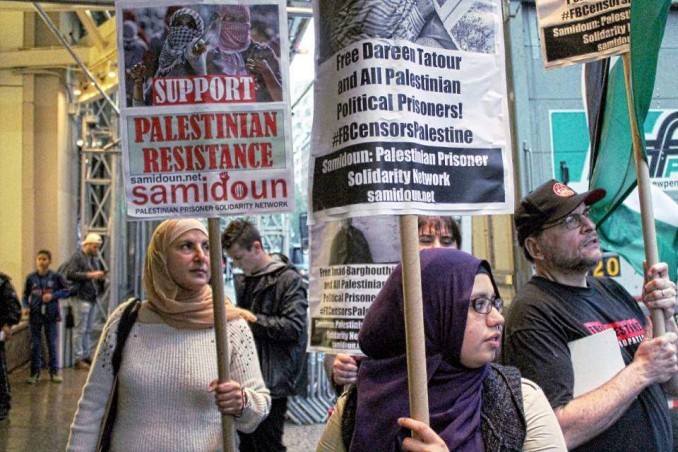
[36,285]
[76,270]
[277,296]
[10,307]
[503,423]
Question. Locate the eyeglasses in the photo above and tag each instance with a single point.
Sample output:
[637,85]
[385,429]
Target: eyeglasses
[573,220]
[484,305]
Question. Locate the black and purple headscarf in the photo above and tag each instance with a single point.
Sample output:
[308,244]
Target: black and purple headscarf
[454,391]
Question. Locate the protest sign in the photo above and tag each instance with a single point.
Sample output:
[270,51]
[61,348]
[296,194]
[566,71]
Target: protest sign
[206,120]
[351,260]
[576,31]
[411,116]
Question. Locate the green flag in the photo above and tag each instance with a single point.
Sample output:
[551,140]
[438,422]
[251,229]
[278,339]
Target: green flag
[622,231]
[613,166]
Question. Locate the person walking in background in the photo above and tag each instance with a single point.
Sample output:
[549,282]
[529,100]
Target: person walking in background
[474,405]
[42,292]
[84,272]
[10,314]
[561,304]
[273,290]
[169,360]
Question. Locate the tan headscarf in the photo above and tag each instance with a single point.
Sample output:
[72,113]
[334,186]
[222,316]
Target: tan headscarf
[194,311]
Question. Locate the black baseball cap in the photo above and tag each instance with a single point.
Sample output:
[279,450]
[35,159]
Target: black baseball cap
[547,204]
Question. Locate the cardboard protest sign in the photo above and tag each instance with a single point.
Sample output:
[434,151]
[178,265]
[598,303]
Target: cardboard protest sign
[576,31]
[411,111]
[411,117]
[205,119]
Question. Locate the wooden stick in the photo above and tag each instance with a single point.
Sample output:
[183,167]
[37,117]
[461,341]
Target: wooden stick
[220,327]
[644,192]
[414,319]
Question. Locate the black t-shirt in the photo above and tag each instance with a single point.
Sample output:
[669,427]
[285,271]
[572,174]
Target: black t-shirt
[545,316]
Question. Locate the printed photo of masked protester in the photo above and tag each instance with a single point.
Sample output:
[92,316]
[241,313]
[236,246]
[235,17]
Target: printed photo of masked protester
[215,40]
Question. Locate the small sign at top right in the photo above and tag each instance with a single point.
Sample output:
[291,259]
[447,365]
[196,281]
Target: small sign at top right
[580,31]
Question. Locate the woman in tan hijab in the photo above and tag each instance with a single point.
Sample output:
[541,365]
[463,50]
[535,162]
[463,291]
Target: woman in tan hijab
[169,364]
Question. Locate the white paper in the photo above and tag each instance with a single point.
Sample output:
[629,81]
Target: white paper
[595,360]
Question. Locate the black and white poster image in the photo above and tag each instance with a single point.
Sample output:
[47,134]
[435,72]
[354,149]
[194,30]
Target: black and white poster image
[350,261]
[451,24]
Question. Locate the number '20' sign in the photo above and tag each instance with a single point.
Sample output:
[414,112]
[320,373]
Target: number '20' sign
[608,266]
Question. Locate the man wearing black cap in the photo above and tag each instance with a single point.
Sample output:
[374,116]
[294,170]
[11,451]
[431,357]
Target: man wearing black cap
[561,303]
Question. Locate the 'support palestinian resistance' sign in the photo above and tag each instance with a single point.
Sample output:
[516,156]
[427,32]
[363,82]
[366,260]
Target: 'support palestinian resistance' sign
[205,118]
[577,31]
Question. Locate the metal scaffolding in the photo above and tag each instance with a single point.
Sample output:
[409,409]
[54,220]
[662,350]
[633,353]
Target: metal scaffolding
[99,182]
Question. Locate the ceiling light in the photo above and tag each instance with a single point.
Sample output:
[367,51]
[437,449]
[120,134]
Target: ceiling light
[112,69]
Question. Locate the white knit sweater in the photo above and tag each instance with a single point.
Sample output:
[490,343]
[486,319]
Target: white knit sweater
[163,403]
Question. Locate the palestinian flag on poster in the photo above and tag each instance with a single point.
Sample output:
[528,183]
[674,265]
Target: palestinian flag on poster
[612,164]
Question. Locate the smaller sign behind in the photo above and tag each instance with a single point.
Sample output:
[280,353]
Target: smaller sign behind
[578,31]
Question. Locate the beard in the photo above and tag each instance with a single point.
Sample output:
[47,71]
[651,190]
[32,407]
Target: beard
[579,262]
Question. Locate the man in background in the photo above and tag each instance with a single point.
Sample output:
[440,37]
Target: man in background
[84,272]
[562,303]
[10,314]
[273,290]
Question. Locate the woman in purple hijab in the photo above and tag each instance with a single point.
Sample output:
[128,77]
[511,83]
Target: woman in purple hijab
[474,405]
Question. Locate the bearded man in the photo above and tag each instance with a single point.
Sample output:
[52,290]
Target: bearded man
[561,304]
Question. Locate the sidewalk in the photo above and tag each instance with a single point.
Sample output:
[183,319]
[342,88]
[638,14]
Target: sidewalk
[42,413]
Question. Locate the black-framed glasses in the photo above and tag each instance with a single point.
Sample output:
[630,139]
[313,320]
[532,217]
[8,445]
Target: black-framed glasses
[573,220]
[484,305]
